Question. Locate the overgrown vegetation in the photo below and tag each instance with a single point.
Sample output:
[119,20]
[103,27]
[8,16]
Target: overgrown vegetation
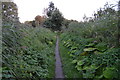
[68,67]
[89,49]
[92,46]
[27,52]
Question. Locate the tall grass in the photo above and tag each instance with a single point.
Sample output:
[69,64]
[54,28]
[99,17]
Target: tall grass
[28,52]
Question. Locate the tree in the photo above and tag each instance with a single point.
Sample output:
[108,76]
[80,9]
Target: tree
[39,20]
[107,10]
[54,18]
[9,12]
[50,9]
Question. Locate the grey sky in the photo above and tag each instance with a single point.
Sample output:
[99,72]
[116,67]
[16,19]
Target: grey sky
[71,9]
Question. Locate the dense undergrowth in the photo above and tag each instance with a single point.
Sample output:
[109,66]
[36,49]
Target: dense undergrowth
[88,49]
[91,47]
[27,52]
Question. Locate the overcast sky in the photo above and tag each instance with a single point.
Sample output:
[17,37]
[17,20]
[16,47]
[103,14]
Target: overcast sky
[71,9]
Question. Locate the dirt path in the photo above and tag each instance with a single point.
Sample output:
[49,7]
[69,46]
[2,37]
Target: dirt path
[58,64]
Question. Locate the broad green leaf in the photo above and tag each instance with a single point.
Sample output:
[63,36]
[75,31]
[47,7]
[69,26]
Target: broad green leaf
[93,67]
[73,51]
[80,63]
[78,67]
[74,61]
[97,52]
[74,47]
[86,67]
[50,42]
[91,44]
[71,55]
[101,76]
[90,49]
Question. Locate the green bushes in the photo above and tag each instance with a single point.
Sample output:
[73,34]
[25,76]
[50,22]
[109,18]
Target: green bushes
[92,48]
[92,59]
[96,66]
[28,52]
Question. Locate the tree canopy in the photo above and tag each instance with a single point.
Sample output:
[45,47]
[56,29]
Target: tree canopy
[9,12]
[54,18]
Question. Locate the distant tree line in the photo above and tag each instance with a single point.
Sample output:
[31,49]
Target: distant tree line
[52,19]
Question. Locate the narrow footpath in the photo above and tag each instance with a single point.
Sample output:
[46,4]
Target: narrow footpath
[58,64]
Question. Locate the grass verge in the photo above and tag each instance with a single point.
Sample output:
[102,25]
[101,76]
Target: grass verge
[68,68]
